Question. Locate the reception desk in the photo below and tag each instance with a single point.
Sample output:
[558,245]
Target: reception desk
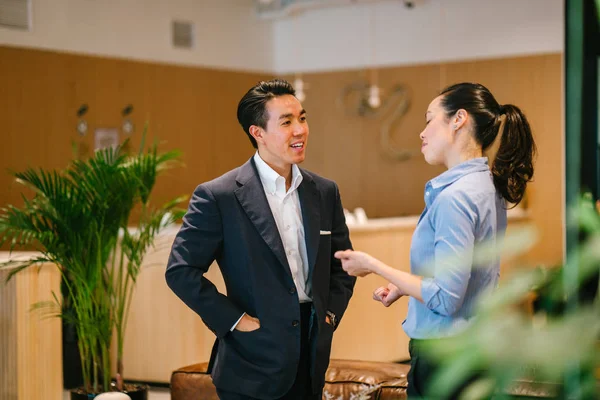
[163,334]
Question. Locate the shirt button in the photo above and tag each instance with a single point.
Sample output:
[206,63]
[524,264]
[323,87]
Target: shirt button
[295,322]
[427,193]
[287,227]
[290,252]
[293,290]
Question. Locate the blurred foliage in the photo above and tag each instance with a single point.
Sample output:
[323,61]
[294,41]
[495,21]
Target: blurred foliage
[511,350]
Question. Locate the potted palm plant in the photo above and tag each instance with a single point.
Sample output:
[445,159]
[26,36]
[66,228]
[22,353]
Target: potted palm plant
[94,221]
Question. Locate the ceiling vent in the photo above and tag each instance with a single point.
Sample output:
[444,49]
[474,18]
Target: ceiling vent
[271,9]
[15,14]
[183,34]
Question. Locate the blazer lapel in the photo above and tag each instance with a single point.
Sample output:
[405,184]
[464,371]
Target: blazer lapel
[310,202]
[253,200]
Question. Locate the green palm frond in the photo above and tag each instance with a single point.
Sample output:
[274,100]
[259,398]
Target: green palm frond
[47,309]
[507,344]
[15,266]
[74,220]
[145,168]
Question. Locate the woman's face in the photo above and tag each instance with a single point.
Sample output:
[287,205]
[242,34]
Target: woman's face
[438,134]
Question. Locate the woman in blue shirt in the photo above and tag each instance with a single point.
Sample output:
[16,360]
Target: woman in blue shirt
[464,206]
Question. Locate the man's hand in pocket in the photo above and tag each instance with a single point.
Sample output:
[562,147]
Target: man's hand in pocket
[248,324]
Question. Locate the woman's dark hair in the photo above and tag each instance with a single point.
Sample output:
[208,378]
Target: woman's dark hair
[252,107]
[513,166]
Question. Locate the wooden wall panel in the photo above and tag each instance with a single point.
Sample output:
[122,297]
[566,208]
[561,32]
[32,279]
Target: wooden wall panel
[346,148]
[191,109]
[535,85]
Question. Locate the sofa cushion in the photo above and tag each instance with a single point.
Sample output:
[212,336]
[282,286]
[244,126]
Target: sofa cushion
[378,380]
[192,382]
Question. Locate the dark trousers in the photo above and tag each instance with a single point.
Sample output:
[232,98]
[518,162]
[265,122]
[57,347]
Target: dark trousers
[422,370]
[301,389]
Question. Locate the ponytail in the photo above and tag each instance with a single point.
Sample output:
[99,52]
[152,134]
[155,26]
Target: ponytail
[512,167]
[500,130]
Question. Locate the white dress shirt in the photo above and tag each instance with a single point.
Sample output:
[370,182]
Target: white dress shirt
[285,207]
[286,210]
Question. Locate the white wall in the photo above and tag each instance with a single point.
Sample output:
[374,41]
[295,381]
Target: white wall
[433,31]
[228,32]
[231,36]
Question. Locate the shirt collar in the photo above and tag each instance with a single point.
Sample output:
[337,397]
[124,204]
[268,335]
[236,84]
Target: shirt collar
[458,171]
[272,181]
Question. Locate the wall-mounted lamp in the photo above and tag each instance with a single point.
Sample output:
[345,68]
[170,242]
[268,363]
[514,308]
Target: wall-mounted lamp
[374,98]
[82,125]
[298,84]
[299,87]
[127,126]
[363,99]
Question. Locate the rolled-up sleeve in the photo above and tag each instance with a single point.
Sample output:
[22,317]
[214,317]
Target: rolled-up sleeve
[454,222]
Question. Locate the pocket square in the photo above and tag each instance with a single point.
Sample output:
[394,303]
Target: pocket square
[324,232]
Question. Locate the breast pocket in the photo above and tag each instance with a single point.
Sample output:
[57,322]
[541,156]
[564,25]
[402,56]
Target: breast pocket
[324,251]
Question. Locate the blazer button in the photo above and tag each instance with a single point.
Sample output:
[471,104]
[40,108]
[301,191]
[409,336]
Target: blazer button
[293,290]
[295,322]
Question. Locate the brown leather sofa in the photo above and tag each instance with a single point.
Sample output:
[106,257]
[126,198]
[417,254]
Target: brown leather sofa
[376,380]
[344,378]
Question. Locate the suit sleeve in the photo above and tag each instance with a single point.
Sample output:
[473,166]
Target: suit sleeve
[341,284]
[195,247]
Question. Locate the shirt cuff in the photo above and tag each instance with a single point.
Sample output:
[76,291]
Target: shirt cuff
[237,322]
[429,291]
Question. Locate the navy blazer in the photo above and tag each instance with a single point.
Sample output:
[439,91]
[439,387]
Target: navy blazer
[229,220]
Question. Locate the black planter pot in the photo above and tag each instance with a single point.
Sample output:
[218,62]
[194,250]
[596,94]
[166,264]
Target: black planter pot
[136,391]
[72,374]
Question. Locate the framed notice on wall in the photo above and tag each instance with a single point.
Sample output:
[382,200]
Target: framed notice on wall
[105,138]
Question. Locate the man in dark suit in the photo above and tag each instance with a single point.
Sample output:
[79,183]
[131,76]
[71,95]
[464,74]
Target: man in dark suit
[273,229]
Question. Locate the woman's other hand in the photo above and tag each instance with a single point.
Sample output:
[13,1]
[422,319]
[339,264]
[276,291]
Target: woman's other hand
[387,295]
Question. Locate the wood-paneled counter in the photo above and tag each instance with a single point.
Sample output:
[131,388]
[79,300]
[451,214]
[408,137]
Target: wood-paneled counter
[163,334]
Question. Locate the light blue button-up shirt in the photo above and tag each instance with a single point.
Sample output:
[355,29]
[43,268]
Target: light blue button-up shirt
[462,210]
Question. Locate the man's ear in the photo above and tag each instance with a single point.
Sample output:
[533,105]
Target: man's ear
[257,133]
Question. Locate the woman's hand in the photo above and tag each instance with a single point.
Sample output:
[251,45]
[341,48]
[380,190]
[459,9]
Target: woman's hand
[355,263]
[387,295]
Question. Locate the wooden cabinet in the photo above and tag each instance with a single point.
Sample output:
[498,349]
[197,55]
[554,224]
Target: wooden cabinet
[30,345]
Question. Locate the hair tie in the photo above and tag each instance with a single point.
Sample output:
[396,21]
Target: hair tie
[492,149]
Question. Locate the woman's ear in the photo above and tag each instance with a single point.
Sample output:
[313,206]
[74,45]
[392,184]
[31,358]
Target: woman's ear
[460,119]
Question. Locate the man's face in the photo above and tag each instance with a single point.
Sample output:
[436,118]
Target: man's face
[284,140]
